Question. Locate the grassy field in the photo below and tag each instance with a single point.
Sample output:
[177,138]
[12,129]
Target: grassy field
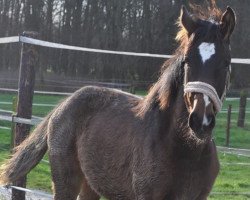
[232,178]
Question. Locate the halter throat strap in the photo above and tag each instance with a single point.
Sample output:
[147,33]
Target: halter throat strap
[206,89]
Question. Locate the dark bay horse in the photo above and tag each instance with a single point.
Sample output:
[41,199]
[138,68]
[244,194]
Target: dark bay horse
[103,142]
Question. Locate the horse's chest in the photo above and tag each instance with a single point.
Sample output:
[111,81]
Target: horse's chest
[187,185]
[189,180]
[171,182]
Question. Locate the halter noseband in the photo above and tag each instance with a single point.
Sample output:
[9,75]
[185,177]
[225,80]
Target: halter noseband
[204,88]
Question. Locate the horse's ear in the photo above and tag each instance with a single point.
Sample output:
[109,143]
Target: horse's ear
[187,21]
[227,23]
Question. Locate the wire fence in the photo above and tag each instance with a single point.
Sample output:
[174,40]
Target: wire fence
[9,115]
[35,120]
[33,194]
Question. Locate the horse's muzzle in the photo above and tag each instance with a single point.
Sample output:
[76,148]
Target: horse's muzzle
[202,116]
[201,126]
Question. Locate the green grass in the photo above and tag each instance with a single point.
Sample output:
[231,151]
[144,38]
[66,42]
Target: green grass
[39,177]
[239,137]
[232,178]
[141,92]
[38,99]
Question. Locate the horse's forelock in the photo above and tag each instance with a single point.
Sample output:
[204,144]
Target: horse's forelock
[208,12]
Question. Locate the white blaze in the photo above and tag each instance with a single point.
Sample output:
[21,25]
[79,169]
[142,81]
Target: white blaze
[206,51]
[207,102]
[205,121]
[206,99]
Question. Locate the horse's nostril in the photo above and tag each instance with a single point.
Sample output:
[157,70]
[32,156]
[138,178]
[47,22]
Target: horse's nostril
[194,122]
[201,125]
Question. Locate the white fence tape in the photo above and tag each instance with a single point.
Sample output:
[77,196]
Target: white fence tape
[68,93]
[41,194]
[45,161]
[84,49]
[37,92]
[69,47]
[21,120]
[234,99]
[6,118]
[33,121]
[6,111]
[53,105]
[234,151]
[8,90]
[231,193]
[34,104]
[7,40]
[5,128]
[240,60]
[233,111]
[232,164]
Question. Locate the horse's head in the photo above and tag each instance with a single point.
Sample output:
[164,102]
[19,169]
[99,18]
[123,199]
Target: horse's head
[207,67]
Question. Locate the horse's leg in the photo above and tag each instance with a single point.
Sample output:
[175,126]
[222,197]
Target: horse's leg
[65,168]
[66,176]
[87,193]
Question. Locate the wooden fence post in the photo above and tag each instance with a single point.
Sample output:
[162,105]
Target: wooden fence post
[228,125]
[242,109]
[26,83]
[14,109]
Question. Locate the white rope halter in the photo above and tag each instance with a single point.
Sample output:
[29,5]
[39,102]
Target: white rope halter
[207,89]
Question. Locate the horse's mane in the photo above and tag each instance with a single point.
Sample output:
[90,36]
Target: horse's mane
[171,76]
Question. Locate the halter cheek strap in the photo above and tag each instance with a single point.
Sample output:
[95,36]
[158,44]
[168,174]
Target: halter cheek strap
[204,88]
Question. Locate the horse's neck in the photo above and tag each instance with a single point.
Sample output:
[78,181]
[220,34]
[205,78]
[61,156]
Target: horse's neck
[166,97]
[178,114]
[183,142]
